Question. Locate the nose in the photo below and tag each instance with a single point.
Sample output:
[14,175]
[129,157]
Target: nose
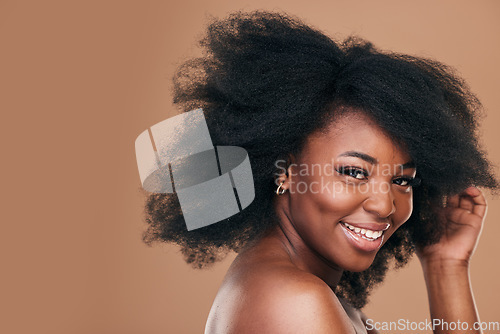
[380,202]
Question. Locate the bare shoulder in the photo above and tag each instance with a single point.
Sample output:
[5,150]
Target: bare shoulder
[277,299]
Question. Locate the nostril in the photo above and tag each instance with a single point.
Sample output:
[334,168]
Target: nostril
[381,207]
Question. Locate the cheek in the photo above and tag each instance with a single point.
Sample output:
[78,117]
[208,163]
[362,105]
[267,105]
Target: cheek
[320,201]
[328,198]
[343,203]
[336,207]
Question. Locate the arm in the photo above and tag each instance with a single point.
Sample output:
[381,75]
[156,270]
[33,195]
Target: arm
[450,296]
[446,264]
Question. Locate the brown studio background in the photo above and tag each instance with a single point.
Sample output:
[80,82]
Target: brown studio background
[79,80]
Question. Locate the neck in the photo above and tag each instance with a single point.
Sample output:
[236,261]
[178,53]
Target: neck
[301,255]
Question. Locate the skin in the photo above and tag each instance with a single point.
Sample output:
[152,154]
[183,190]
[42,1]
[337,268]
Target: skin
[284,282]
[446,264]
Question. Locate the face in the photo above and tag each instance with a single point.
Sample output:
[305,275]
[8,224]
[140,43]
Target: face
[348,191]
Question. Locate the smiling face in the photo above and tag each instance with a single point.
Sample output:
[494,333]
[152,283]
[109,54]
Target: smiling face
[347,192]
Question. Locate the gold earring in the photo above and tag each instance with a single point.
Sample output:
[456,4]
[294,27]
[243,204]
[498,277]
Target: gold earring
[280,191]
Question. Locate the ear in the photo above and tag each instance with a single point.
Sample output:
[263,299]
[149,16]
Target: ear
[291,165]
[285,169]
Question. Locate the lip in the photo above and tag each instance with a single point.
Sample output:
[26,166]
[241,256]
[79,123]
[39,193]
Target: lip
[369,225]
[362,244]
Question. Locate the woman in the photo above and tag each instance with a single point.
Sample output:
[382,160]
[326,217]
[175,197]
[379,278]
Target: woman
[359,159]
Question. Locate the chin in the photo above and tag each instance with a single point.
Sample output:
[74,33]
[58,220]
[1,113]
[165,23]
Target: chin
[360,264]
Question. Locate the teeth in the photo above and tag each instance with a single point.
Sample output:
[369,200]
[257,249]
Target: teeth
[368,234]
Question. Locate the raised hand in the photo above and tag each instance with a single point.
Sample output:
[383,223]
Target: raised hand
[463,217]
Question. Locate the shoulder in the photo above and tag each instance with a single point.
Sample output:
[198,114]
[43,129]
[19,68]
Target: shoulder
[281,299]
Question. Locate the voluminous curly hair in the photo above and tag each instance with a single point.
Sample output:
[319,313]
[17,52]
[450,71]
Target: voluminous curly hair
[267,81]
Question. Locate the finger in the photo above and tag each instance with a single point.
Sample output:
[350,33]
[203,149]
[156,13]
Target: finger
[466,203]
[471,199]
[453,201]
[472,191]
[461,217]
[479,201]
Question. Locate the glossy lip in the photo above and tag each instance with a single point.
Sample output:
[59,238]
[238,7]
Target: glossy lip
[363,244]
[369,226]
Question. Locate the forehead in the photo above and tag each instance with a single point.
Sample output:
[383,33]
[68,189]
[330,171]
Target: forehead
[354,131]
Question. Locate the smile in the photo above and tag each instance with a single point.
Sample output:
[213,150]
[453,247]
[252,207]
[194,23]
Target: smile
[365,236]
[365,233]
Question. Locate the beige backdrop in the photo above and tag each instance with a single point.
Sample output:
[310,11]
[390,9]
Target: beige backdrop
[79,80]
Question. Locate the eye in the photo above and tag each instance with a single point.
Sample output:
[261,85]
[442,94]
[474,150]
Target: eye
[354,172]
[407,181]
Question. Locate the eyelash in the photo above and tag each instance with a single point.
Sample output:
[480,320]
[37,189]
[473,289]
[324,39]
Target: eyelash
[410,181]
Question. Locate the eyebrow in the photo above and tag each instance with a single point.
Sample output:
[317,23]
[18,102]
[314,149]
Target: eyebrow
[372,160]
